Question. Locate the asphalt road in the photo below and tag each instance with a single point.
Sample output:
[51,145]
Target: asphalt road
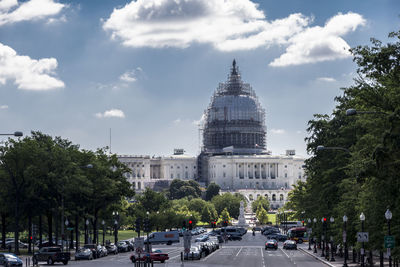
[248,252]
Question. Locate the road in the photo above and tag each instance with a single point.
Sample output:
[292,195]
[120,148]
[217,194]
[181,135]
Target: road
[248,252]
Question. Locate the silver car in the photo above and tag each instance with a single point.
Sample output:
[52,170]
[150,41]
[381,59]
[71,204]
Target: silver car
[195,253]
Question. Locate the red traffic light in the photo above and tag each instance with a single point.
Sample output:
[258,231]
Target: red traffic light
[302,221]
[30,237]
[190,222]
[324,219]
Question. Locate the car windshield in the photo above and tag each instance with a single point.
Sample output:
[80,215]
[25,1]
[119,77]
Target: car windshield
[10,256]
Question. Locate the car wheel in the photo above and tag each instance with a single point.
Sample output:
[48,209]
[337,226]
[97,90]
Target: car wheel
[133,259]
[35,261]
[65,262]
[50,261]
[162,261]
[169,243]
[300,241]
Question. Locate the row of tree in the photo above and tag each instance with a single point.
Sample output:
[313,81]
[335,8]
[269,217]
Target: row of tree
[358,169]
[50,178]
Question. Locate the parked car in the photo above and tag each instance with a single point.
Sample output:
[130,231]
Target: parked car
[51,255]
[11,244]
[201,238]
[290,244]
[195,253]
[84,254]
[9,259]
[93,249]
[131,246]
[162,257]
[271,243]
[278,237]
[112,249]
[122,246]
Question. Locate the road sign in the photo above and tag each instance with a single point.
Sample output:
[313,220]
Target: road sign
[70,228]
[362,237]
[139,243]
[389,241]
[139,250]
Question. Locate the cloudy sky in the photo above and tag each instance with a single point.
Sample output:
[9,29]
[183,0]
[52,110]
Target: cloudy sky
[147,68]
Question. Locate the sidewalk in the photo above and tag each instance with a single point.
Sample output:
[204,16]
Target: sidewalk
[338,260]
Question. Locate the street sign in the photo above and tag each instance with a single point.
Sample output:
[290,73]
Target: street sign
[139,244]
[389,241]
[362,237]
[70,228]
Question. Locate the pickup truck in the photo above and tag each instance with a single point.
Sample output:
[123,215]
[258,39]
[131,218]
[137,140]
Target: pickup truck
[51,255]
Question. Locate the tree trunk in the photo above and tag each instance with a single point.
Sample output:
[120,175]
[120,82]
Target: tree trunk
[86,231]
[16,230]
[77,232]
[30,234]
[56,224]
[3,230]
[40,230]
[95,236]
[50,226]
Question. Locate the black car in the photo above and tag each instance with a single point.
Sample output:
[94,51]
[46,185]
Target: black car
[131,246]
[122,246]
[279,237]
[272,243]
[290,244]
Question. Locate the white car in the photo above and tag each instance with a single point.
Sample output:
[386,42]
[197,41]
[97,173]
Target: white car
[195,253]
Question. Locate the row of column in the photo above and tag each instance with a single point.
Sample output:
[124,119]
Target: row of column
[256,170]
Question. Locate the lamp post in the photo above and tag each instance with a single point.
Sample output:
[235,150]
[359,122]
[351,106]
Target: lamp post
[104,229]
[315,243]
[309,233]
[344,240]
[323,220]
[86,231]
[115,214]
[66,225]
[332,220]
[362,218]
[147,226]
[388,216]
[16,134]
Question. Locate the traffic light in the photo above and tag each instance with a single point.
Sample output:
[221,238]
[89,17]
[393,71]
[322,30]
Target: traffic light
[213,225]
[190,224]
[147,225]
[137,224]
[184,225]
[302,222]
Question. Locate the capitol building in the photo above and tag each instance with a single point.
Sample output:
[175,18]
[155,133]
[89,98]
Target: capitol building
[234,153]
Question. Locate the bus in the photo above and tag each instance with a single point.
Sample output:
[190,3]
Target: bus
[290,224]
[298,234]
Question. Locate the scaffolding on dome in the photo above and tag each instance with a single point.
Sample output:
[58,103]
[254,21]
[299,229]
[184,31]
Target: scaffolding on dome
[234,119]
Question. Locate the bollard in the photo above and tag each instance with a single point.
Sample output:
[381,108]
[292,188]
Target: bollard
[354,255]
[192,255]
[371,259]
[381,259]
[181,256]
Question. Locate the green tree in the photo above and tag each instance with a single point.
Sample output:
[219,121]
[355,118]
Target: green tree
[212,190]
[260,201]
[180,189]
[262,215]
[229,202]
[225,215]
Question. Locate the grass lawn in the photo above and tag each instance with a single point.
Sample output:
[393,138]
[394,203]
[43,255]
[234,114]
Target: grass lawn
[272,218]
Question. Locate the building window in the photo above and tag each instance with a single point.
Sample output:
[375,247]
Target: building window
[286,185]
[285,166]
[185,167]
[139,185]
[186,175]
[172,176]
[240,166]
[194,167]
[281,197]
[224,174]
[172,167]
[273,197]
[179,176]
[285,175]
[299,175]
[223,166]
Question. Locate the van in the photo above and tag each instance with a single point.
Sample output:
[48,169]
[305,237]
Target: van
[163,237]
[232,231]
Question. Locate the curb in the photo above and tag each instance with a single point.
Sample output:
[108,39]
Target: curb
[316,257]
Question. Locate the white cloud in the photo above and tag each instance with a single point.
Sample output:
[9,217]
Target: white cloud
[27,73]
[229,26]
[177,121]
[112,113]
[299,132]
[200,121]
[30,10]
[130,76]
[277,131]
[3,107]
[317,44]
[326,79]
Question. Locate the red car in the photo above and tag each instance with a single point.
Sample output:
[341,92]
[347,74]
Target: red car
[162,257]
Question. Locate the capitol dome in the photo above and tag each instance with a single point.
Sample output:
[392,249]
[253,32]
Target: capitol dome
[234,121]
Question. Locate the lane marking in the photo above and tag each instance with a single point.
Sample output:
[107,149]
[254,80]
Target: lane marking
[262,257]
[288,256]
[239,251]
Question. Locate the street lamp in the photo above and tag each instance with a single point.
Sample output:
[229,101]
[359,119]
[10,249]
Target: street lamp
[320,148]
[353,111]
[309,233]
[388,216]
[115,214]
[344,240]
[86,231]
[16,134]
[315,241]
[323,220]
[66,225]
[362,218]
[332,220]
[104,229]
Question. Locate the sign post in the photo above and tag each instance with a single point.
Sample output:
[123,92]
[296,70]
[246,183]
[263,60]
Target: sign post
[187,238]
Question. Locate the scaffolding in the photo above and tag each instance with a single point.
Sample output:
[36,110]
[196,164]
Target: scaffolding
[234,118]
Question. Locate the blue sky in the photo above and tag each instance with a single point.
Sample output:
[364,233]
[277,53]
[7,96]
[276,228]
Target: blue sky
[147,68]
